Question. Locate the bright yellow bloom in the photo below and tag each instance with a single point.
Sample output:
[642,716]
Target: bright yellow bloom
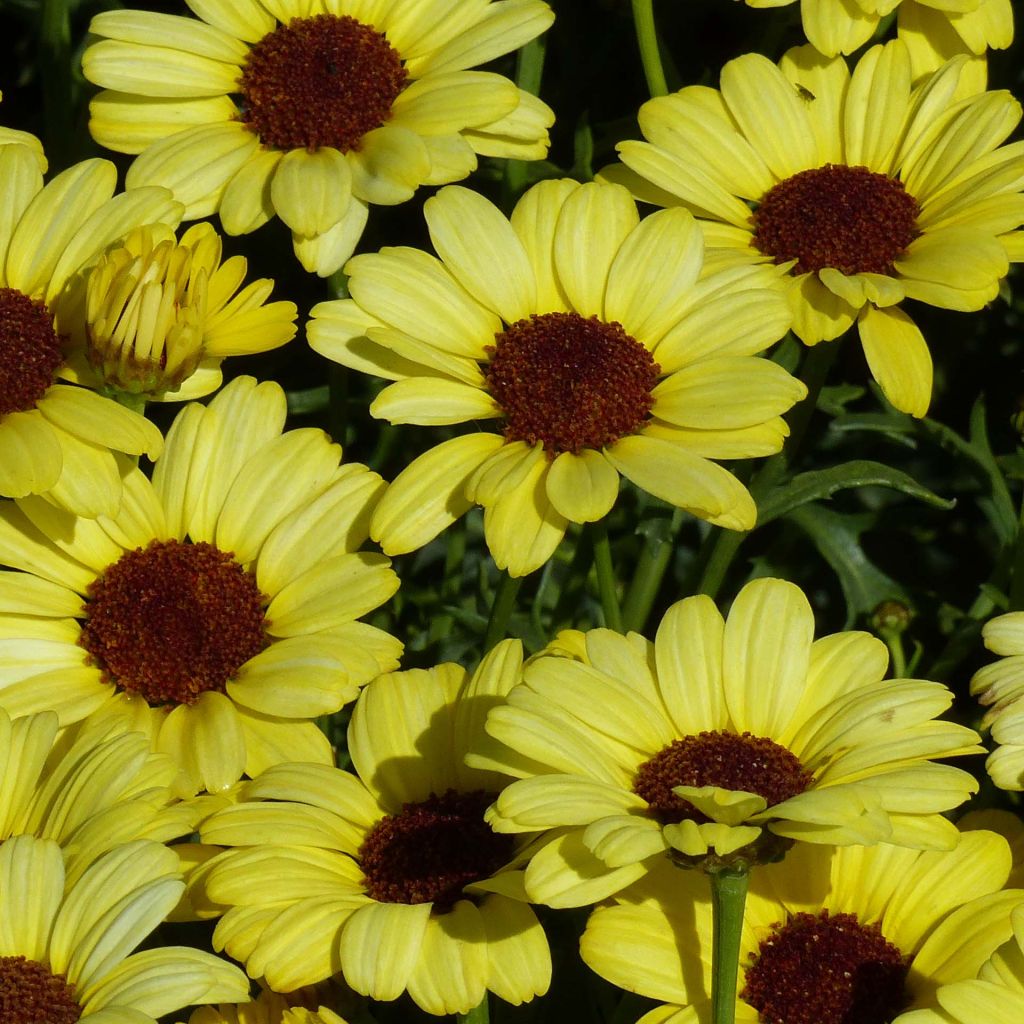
[216,612]
[66,956]
[730,738]
[999,687]
[58,440]
[312,109]
[865,190]
[161,315]
[842,26]
[830,935]
[390,878]
[88,792]
[302,1006]
[603,344]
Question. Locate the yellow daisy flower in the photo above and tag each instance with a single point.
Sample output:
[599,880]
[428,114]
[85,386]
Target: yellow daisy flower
[842,26]
[160,315]
[719,735]
[996,996]
[57,440]
[302,1006]
[603,343]
[830,935]
[312,109]
[390,878]
[87,792]
[866,191]
[216,613]
[66,956]
[999,687]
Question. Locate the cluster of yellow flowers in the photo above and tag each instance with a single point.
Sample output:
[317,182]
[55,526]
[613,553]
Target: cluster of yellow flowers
[169,639]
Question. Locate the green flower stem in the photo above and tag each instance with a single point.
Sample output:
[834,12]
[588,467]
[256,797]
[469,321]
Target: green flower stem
[728,897]
[478,1015]
[894,641]
[650,571]
[529,71]
[606,576]
[650,55]
[497,627]
[724,544]
[55,68]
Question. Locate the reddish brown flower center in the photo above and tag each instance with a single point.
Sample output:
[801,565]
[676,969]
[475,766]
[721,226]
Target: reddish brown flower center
[31,994]
[826,969]
[723,759]
[174,620]
[30,351]
[430,850]
[570,382]
[849,218]
[320,81]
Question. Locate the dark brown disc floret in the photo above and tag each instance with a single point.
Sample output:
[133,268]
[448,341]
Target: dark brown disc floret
[30,351]
[320,81]
[431,850]
[726,760]
[570,382]
[30,993]
[173,620]
[826,969]
[855,220]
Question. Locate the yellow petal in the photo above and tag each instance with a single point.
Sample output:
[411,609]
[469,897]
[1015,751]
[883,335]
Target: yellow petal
[583,487]
[311,191]
[898,358]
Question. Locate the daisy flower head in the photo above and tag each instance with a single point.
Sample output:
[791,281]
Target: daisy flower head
[864,189]
[311,110]
[389,877]
[59,440]
[725,739]
[999,687]
[66,953]
[302,1006]
[160,314]
[88,791]
[216,612]
[831,935]
[601,343]
[842,26]
[995,996]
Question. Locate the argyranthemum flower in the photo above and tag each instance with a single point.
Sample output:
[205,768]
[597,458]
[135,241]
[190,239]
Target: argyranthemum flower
[996,996]
[303,1006]
[216,613]
[830,935]
[161,314]
[87,792]
[842,26]
[601,343]
[865,190]
[67,956]
[391,878]
[999,687]
[57,439]
[719,735]
[312,110]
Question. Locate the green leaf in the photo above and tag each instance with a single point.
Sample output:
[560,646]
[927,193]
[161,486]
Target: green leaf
[837,538]
[823,483]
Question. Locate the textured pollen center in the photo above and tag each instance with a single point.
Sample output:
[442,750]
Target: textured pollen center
[430,850]
[722,759]
[30,351]
[30,994]
[320,81]
[849,218]
[826,969]
[174,620]
[570,382]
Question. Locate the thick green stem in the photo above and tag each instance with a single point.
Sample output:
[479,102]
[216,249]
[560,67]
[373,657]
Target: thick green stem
[728,897]
[478,1015]
[55,65]
[650,571]
[501,612]
[606,583]
[650,54]
[529,71]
